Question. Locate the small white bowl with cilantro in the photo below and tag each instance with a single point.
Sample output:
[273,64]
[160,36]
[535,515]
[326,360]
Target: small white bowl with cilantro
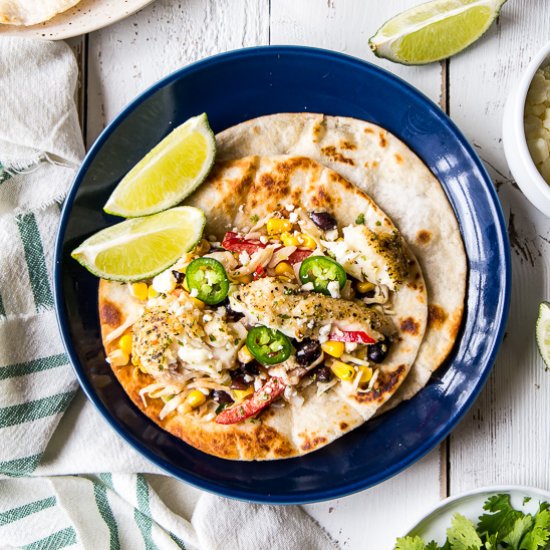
[492,518]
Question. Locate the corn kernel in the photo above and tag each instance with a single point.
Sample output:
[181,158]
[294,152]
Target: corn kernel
[151,292]
[244,279]
[185,285]
[118,358]
[139,291]
[125,344]
[366,375]
[342,370]
[365,287]
[199,304]
[244,355]
[289,240]
[135,361]
[336,349]
[241,394]
[307,241]
[275,226]
[284,269]
[195,399]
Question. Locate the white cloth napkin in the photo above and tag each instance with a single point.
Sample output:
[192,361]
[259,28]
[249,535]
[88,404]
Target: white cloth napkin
[66,479]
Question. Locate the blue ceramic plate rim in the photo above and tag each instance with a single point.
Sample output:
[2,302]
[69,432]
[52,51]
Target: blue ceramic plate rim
[309,495]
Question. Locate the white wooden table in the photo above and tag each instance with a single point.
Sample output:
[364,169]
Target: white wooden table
[505,437]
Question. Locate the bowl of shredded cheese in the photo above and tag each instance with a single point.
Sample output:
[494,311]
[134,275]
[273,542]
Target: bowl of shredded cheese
[526,131]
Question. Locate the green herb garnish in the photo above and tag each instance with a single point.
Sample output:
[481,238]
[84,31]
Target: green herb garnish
[360,220]
[502,527]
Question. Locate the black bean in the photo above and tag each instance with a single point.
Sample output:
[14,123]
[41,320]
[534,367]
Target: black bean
[221,396]
[232,315]
[378,352]
[322,374]
[252,368]
[308,351]
[323,220]
[179,276]
[238,380]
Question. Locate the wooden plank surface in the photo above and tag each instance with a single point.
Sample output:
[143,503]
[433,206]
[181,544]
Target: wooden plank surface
[370,520]
[126,58]
[505,437]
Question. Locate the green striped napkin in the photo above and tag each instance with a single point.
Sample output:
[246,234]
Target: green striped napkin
[54,447]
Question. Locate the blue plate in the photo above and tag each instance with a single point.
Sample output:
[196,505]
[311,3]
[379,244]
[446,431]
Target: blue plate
[234,87]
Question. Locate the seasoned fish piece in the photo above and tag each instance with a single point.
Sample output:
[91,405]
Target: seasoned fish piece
[375,257]
[178,338]
[281,305]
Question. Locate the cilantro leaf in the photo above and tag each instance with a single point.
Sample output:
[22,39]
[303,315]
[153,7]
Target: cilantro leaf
[539,536]
[410,543]
[462,534]
[521,527]
[500,522]
[432,545]
[491,543]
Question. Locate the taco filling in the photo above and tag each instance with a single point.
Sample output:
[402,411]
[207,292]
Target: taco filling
[294,318]
[248,322]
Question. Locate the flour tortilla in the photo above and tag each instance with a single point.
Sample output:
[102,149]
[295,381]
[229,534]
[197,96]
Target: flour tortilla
[400,183]
[32,12]
[235,192]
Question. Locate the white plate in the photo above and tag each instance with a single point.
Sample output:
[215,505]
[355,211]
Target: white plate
[435,524]
[86,16]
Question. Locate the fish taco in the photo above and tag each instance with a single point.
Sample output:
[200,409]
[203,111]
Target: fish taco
[294,321]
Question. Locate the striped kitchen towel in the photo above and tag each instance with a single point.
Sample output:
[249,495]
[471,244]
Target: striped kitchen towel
[54,447]
[40,148]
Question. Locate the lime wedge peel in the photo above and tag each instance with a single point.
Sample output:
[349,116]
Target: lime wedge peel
[168,173]
[543,333]
[435,30]
[141,248]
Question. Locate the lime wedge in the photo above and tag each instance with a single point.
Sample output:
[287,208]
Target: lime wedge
[543,332]
[142,247]
[434,30]
[168,173]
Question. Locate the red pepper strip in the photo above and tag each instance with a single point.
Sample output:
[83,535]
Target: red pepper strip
[234,243]
[351,336]
[259,400]
[299,255]
[259,272]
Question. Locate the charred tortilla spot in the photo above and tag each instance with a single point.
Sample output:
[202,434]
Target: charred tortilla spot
[409,325]
[334,155]
[398,158]
[310,444]
[318,132]
[455,322]
[423,236]
[256,130]
[110,314]
[383,141]
[369,131]
[375,164]
[344,425]
[436,316]
[347,145]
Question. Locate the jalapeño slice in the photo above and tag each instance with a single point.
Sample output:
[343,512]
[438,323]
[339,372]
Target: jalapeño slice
[321,270]
[268,346]
[208,277]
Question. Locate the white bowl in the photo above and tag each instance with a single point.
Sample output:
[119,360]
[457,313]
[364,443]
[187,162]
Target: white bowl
[519,159]
[433,526]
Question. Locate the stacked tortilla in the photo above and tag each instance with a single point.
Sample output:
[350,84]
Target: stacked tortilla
[32,12]
[349,167]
